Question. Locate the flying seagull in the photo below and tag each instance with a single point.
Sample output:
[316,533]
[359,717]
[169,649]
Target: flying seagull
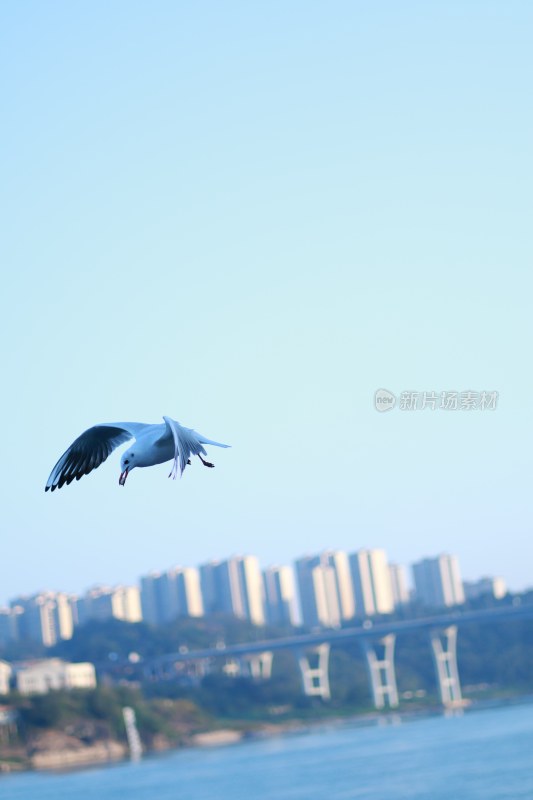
[154,444]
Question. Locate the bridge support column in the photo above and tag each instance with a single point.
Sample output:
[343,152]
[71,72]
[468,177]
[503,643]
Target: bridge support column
[380,661]
[313,665]
[444,649]
[233,667]
[160,672]
[260,665]
[201,668]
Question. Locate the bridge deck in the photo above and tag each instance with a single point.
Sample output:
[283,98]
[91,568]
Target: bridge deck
[367,630]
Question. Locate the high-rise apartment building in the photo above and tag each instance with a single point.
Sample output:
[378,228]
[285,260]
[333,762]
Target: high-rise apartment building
[371,582]
[234,587]
[168,595]
[210,587]
[399,586]
[494,587]
[338,560]
[438,581]
[65,620]
[252,589]
[153,598]
[45,617]
[280,596]
[104,602]
[190,602]
[319,597]
[222,589]
[9,624]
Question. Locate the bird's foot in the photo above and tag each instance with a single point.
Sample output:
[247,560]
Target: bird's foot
[206,463]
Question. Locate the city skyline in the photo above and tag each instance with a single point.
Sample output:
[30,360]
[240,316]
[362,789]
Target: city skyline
[5,599]
[320,591]
[117,581]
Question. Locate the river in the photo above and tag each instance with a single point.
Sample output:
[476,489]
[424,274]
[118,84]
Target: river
[484,754]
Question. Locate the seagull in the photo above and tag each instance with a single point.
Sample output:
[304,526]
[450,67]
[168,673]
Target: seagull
[154,444]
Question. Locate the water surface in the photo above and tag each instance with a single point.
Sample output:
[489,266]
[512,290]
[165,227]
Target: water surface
[481,755]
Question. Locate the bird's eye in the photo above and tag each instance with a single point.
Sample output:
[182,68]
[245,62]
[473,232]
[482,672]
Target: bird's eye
[132,455]
[126,461]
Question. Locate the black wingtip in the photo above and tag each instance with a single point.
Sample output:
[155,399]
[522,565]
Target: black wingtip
[46,488]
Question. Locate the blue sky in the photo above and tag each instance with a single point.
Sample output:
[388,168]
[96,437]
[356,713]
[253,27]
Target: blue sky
[249,217]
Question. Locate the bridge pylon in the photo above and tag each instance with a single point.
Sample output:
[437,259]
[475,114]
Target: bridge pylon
[233,667]
[254,665]
[314,669]
[380,662]
[260,665]
[444,649]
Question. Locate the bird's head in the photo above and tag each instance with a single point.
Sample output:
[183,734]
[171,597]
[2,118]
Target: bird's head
[127,463]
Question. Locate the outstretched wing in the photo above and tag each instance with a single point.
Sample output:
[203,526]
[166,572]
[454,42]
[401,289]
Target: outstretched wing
[186,442]
[90,450]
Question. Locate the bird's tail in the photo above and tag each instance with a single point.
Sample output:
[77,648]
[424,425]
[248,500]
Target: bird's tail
[186,442]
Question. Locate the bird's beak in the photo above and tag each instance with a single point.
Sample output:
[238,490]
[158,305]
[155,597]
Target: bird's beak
[123,476]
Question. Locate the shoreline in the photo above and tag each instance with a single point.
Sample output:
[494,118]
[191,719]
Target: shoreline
[78,756]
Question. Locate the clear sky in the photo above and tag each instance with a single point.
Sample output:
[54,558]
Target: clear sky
[249,217]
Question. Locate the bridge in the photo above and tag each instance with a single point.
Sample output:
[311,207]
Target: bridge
[378,640]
